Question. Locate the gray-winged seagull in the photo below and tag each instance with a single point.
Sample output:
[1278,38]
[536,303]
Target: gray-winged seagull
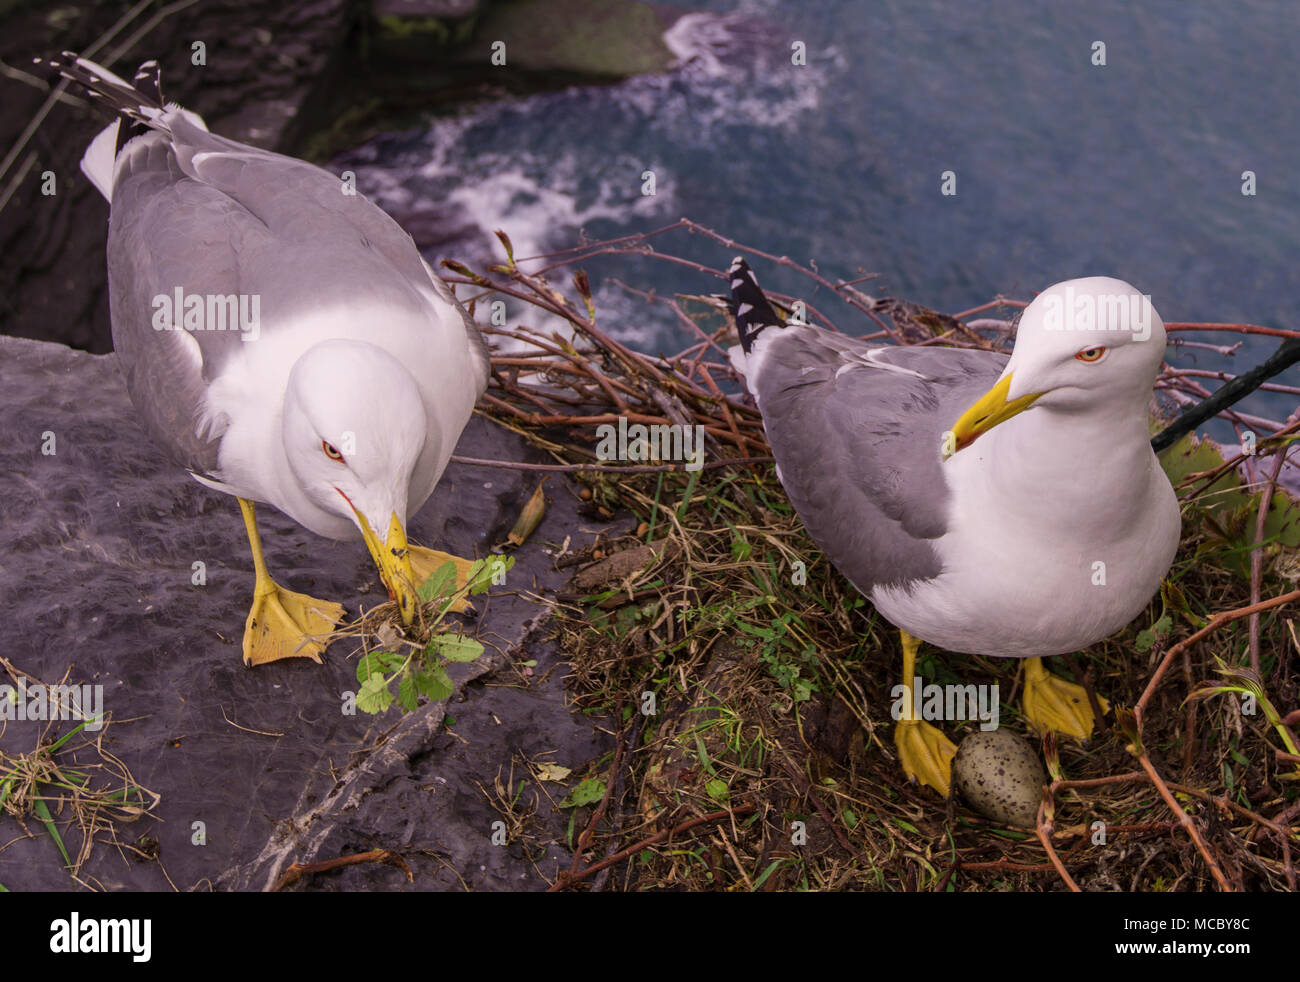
[282,339]
[1048,534]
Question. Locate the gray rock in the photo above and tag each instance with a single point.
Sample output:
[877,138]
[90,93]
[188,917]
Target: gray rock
[98,544]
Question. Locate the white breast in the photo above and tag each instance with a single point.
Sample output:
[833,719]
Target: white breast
[1044,555]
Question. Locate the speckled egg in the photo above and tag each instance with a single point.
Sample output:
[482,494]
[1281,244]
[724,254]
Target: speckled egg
[1000,777]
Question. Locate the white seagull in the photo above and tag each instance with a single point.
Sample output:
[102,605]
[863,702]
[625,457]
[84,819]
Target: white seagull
[1048,534]
[282,339]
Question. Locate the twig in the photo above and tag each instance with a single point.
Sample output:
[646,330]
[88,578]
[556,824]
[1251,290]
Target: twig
[584,840]
[1043,829]
[1274,332]
[298,870]
[1287,354]
[1216,622]
[1185,820]
[1257,554]
[609,469]
[565,880]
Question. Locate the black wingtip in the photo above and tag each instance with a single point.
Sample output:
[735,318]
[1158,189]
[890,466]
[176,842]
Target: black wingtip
[749,305]
[126,99]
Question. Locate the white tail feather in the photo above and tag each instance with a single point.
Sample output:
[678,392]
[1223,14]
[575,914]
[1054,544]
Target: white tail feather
[97,69]
[98,160]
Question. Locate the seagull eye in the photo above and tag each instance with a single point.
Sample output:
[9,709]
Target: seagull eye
[331,451]
[1090,355]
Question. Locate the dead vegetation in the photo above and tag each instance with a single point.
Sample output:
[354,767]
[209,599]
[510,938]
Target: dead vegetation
[747,683]
[69,786]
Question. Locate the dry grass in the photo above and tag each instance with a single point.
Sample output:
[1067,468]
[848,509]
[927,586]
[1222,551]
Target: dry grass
[768,760]
[73,789]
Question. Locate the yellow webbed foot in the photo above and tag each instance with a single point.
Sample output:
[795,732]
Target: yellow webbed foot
[281,623]
[1051,703]
[284,624]
[925,753]
[425,562]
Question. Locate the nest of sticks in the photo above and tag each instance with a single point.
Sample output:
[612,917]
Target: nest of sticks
[770,697]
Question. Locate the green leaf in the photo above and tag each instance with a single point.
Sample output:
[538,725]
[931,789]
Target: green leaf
[434,683]
[506,244]
[587,792]
[378,663]
[772,867]
[1160,629]
[70,734]
[43,813]
[454,647]
[406,693]
[374,696]
[717,790]
[1228,508]
[1192,456]
[436,584]
[484,571]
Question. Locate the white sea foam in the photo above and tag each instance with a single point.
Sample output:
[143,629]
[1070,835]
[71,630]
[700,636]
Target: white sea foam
[455,183]
[541,202]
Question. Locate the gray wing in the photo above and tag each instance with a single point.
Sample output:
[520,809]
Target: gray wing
[856,435]
[479,350]
[212,216]
[165,231]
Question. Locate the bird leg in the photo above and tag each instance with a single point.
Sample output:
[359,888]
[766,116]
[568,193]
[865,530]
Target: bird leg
[281,623]
[1051,703]
[925,753]
[426,562]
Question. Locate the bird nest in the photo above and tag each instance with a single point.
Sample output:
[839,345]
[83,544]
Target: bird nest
[749,702]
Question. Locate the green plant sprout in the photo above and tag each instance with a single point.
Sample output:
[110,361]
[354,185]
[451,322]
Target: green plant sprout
[1246,682]
[29,781]
[422,671]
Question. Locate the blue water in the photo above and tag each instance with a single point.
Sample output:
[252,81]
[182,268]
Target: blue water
[1063,169]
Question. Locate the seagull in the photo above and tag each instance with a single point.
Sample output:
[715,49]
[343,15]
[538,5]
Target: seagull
[986,504]
[282,339]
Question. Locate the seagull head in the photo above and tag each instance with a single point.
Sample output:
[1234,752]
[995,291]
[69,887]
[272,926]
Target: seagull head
[353,427]
[1081,345]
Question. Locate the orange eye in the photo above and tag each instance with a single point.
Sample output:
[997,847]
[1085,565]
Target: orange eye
[331,451]
[1090,355]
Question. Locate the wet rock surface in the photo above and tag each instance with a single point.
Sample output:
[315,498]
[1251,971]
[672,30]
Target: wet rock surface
[96,571]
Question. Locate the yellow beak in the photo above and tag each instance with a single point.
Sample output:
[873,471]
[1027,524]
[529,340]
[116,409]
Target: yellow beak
[394,562]
[991,409]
